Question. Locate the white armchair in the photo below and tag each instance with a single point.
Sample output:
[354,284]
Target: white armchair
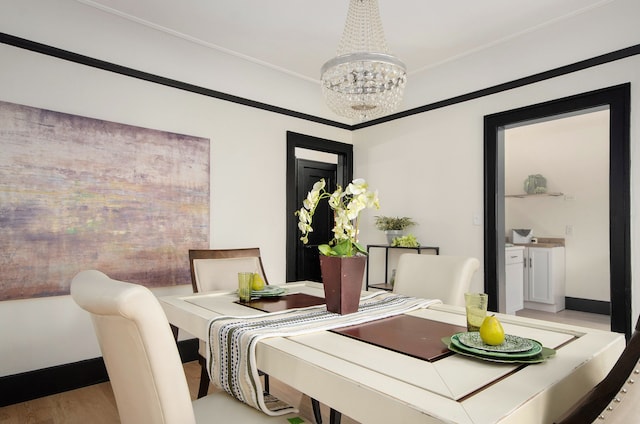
[435,276]
[217,269]
[616,399]
[143,361]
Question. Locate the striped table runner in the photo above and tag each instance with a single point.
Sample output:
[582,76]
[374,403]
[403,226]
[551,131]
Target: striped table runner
[231,357]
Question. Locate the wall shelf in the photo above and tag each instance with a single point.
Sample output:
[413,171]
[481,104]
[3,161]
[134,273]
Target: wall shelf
[523,195]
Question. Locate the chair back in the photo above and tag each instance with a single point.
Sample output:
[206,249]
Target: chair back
[217,269]
[435,276]
[138,348]
[616,399]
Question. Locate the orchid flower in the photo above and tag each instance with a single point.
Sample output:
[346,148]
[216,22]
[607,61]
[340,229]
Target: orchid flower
[346,205]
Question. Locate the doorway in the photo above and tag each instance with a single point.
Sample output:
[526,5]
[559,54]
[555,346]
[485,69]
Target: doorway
[307,255]
[617,99]
[570,217]
[300,260]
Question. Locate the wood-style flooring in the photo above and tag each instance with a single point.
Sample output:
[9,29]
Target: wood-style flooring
[96,404]
[567,316]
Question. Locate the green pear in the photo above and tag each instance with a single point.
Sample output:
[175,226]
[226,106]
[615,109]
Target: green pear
[257,282]
[491,331]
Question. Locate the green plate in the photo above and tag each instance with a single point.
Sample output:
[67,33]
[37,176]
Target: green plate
[545,354]
[536,348]
[268,292]
[511,343]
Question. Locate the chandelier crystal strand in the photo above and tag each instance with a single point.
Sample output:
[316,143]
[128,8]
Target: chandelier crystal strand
[363,29]
[364,81]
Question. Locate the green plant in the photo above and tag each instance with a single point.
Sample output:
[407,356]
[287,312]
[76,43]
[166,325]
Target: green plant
[347,205]
[405,241]
[387,223]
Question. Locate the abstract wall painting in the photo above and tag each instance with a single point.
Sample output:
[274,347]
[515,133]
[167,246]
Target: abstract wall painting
[80,193]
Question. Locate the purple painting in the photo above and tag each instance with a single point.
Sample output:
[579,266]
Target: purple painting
[78,193]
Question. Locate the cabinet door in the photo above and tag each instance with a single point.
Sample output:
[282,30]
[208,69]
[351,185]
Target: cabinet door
[514,282]
[525,274]
[540,281]
[514,287]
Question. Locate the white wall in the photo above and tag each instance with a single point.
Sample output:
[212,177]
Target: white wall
[430,166]
[573,154]
[248,165]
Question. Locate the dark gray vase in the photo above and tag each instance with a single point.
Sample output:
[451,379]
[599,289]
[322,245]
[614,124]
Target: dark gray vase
[342,280]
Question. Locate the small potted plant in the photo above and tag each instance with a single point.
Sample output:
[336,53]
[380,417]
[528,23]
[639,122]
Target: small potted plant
[393,226]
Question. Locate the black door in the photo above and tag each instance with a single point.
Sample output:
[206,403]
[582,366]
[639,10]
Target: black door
[307,260]
[297,191]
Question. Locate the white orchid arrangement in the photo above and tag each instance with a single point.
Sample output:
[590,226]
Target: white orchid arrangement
[347,205]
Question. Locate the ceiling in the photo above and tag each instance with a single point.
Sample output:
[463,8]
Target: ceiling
[298,36]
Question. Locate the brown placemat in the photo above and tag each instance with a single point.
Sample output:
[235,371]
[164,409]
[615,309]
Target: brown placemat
[413,336]
[281,303]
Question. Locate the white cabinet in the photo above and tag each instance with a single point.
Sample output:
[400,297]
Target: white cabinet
[514,281]
[544,278]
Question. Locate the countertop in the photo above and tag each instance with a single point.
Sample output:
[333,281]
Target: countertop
[514,247]
[544,242]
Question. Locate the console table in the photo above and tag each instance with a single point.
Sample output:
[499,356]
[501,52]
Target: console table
[387,285]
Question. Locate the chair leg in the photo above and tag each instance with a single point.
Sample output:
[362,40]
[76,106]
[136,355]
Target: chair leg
[174,331]
[204,378]
[266,383]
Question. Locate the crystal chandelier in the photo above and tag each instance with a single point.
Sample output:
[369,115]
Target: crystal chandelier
[364,80]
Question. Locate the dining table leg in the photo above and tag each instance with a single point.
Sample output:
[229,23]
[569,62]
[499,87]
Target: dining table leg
[315,405]
[334,416]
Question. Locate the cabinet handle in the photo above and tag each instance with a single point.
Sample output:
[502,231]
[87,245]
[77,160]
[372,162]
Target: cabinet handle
[513,257]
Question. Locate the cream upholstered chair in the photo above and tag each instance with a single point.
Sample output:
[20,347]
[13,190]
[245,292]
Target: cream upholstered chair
[143,361]
[435,276]
[217,269]
[616,399]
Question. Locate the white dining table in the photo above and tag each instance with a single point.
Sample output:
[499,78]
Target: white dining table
[372,384]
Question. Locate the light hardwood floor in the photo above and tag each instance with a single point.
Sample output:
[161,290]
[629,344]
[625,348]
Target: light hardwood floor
[96,404]
[566,316]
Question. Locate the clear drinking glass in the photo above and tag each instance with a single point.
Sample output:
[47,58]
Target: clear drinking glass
[476,304]
[244,286]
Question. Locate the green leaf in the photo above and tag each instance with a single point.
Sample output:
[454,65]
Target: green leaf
[343,248]
[360,248]
[326,250]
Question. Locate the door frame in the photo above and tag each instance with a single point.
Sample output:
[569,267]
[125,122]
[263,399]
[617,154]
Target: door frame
[344,175]
[617,98]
